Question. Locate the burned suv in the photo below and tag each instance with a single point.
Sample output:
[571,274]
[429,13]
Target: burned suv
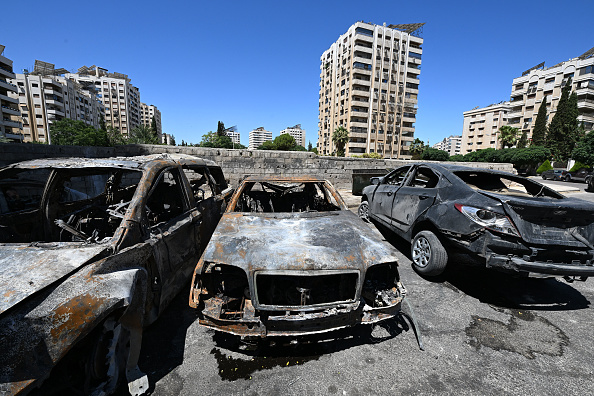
[288,259]
[508,222]
[91,251]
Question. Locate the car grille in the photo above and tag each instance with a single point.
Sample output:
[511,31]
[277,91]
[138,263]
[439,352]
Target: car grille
[306,288]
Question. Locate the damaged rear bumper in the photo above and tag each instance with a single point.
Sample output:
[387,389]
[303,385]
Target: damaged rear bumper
[275,323]
[515,263]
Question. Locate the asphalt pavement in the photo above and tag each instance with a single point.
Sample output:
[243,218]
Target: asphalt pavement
[484,333]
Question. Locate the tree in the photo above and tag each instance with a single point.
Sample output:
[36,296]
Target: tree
[539,134]
[433,154]
[530,156]
[221,131]
[584,150]
[143,135]
[564,131]
[309,146]
[340,137]
[508,136]
[76,133]
[545,166]
[154,126]
[523,142]
[284,142]
[267,145]
[416,148]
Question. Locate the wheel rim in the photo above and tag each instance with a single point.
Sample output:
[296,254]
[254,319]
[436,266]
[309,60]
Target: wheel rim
[364,211]
[421,252]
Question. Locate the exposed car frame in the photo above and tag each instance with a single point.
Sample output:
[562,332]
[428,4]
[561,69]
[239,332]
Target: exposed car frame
[311,267]
[83,272]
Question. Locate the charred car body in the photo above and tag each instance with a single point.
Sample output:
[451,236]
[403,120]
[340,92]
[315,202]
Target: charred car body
[92,250]
[289,259]
[509,222]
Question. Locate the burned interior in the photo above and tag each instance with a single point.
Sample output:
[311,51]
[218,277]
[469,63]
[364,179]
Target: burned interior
[268,197]
[310,268]
[506,184]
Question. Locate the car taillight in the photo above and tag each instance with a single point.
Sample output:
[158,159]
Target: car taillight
[488,219]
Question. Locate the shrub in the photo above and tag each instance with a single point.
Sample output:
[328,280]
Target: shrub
[545,166]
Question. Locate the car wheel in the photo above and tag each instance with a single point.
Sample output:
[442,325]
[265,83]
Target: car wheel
[567,178]
[544,177]
[363,211]
[429,257]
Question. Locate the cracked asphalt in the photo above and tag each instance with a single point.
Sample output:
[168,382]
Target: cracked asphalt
[484,333]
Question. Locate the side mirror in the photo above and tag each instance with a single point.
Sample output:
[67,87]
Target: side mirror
[376,180]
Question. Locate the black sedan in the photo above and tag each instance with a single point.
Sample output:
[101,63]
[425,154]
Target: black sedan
[553,174]
[509,222]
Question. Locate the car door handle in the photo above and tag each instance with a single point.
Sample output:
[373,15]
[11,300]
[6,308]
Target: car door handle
[389,193]
[423,196]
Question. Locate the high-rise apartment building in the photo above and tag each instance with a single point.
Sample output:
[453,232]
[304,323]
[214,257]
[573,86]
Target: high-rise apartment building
[10,124]
[120,98]
[451,144]
[534,84]
[297,133]
[481,127]
[369,82]
[45,96]
[147,113]
[258,136]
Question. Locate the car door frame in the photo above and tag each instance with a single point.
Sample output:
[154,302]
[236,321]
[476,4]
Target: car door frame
[381,200]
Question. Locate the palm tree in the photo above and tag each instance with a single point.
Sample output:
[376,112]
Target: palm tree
[340,137]
[508,136]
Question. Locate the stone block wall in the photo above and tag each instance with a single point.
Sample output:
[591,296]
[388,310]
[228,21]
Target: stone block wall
[235,163]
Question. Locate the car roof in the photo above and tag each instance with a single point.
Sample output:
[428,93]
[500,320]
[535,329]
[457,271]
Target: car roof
[137,162]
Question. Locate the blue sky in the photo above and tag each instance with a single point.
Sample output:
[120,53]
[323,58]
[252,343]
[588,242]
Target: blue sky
[256,63]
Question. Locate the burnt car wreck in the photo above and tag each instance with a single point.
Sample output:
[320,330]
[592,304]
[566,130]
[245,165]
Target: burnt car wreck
[508,222]
[289,259]
[91,251]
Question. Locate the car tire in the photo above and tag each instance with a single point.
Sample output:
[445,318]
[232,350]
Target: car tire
[567,178]
[544,177]
[363,211]
[429,257]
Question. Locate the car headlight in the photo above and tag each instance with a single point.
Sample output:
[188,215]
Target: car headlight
[488,219]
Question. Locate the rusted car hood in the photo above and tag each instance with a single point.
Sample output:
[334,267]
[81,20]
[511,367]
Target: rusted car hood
[296,241]
[26,269]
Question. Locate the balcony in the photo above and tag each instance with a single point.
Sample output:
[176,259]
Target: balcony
[54,102]
[6,73]
[531,90]
[10,123]
[10,110]
[56,112]
[353,124]
[8,99]
[53,92]
[586,104]
[514,114]
[7,85]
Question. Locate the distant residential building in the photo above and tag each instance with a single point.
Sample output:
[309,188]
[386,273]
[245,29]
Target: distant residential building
[369,82]
[481,127]
[147,113]
[258,136]
[120,98]
[297,133]
[46,96]
[10,124]
[451,144]
[534,84]
[234,135]
[167,139]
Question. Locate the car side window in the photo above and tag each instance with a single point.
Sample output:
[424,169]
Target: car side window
[424,178]
[166,200]
[395,178]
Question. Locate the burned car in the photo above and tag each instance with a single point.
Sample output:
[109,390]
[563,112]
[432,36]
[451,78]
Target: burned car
[289,259]
[91,251]
[507,222]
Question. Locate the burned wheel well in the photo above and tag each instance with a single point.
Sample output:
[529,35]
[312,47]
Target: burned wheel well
[427,225]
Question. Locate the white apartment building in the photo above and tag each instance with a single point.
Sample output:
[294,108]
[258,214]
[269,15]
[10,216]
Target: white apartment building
[258,136]
[451,144]
[297,133]
[10,124]
[534,84]
[369,83]
[234,135]
[120,98]
[147,113]
[481,127]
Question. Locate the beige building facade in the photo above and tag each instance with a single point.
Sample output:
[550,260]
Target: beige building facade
[539,82]
[10,115]
[45,96]
[481,127]
[147,113]
[258,136]
[297,133]
[452,145]
[120,98]
[369,84]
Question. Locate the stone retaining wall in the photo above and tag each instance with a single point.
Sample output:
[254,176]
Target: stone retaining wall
[235,163]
